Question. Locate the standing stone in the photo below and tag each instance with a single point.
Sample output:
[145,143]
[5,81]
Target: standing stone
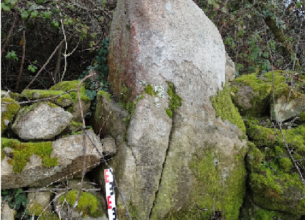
[173,158]
[41,121]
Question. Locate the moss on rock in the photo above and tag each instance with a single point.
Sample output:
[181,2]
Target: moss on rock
[273,184]
[8,112]
[251,211]
[226,110]
[175,101]
[63,100]
[149,90]
[23,151]
[214,189]
[88,204]
[260,135]
[70,85]
[104,93]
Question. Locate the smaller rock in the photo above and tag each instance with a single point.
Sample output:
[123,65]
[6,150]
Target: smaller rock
[39,202]
[110,117]
[7,213]
[41,121]
[56,160]
[76,112]
[109,148]
[230,69]
[283,111]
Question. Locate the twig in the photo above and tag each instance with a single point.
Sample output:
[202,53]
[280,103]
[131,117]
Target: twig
[9,33]
[66,44]
[67,55]
[84,143]
[23,55]
[291,157]
[44,65]
[42,100]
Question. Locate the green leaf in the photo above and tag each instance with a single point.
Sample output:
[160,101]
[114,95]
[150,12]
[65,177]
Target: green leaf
[224,10]
[13,2]
[7,1]
[24,14]
[47,14]
[34,14]
[55,24]
[4,7]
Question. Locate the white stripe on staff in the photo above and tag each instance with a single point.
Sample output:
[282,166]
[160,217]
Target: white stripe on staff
[110,197]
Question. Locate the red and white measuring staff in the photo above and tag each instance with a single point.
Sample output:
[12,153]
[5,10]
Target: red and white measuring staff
[110,197]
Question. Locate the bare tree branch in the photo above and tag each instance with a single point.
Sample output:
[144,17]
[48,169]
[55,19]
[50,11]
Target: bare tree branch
[46,63]
[23,55]
[9,33]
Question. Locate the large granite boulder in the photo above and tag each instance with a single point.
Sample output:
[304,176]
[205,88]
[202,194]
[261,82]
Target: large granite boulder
[41,121]
[39,164]
[179,156]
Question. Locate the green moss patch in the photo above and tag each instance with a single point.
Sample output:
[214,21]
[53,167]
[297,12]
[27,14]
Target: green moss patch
[40,94]
[150,90]
[213,189]
[23,151]
[106,94]
[37,209]
[260,135]
[262,90]
[11,109]
[226,110]
[175,101]
[88,204]
[69,85]
[273,182]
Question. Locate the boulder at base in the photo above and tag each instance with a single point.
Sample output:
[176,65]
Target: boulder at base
[180,156]
[40,164]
